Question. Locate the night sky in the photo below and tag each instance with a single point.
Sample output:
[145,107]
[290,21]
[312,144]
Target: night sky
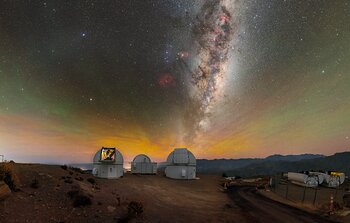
[224,78]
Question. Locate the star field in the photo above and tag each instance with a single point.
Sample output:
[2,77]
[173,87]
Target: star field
[224,78]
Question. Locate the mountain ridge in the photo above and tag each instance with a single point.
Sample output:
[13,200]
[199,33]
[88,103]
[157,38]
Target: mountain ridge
[275,164]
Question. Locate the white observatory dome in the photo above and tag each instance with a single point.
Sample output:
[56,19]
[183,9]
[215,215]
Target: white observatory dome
[181,156]
[141,158]
[118,157]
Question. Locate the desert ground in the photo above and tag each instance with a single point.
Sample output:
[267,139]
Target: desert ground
[50,193]
[162,199]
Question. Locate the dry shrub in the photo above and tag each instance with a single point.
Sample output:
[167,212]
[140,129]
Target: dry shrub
[79,178]
[91,180]
[76,169]
[68,181]
[73,193]
[228,205]
[79,198]
[34,184]
[135,209]
[8,175]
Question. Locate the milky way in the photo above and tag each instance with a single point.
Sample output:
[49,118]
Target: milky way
[213,33]
[224,78]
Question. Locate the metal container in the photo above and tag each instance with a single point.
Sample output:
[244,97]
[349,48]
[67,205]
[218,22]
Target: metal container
[303,179]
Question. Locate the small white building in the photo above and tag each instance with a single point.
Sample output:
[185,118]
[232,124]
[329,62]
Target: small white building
[181,164]
[142,164]
[108,163]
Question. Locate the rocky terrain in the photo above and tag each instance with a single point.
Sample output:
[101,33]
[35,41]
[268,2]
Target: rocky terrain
[45,193]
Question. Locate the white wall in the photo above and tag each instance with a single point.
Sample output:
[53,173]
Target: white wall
[181,172]
[109,171]
[143,168]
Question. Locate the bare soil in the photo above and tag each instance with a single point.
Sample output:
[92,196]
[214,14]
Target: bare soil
[48,193]
[43,197]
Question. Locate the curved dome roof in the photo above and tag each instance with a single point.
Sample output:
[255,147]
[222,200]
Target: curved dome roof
[181,156]
[141,158]
[118,158]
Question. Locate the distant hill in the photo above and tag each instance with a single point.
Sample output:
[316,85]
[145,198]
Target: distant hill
[268,166]
[338,162]
[223,165]
[291,158]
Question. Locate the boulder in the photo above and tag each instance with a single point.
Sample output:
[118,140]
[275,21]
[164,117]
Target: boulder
[111,208]
[4,191]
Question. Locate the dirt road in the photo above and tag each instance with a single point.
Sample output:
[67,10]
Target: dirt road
[259,209]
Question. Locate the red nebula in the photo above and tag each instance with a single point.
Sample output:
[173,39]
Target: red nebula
[166,80]
[224,18]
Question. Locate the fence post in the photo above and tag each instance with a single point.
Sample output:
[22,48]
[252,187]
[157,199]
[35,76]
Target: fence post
[287,190]
[303,195]
[315,195]
[336,193]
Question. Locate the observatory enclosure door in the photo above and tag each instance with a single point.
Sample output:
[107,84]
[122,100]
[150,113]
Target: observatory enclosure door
[143,167]
[183,172]
[112,171]
[192,172]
